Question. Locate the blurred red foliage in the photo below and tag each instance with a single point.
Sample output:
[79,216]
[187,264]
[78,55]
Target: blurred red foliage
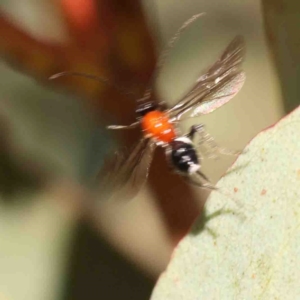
[101,41]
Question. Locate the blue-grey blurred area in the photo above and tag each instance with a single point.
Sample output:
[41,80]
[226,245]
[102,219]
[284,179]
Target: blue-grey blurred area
[48,135]
[53,130]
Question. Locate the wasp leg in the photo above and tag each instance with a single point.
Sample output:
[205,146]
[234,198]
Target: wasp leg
[203,175]
[207,140]
[206,185]
[116,127]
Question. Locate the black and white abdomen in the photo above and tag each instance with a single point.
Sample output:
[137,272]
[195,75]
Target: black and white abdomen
[183,156]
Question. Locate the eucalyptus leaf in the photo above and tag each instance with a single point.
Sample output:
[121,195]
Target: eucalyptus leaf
[246,244]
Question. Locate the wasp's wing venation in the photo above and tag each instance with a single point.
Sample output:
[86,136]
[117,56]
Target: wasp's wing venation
[220,96]
[225,72]
[125,173]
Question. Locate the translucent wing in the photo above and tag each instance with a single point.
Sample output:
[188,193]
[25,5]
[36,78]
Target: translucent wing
[217,86]
[124,174]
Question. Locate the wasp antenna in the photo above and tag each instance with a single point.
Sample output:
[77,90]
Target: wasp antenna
[175,38]
[71,73]
[165,53]
[93,77]
[57,75]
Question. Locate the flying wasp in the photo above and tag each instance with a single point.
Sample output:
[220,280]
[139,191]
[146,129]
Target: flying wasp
[127,171]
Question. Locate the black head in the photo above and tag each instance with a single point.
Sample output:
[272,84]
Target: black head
[144,108]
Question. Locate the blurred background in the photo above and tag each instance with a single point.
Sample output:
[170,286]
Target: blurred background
[53,140]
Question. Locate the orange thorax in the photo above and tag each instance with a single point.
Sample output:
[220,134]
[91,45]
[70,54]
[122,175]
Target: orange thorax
[157,125]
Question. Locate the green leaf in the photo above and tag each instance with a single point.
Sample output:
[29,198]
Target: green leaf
[246,245]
